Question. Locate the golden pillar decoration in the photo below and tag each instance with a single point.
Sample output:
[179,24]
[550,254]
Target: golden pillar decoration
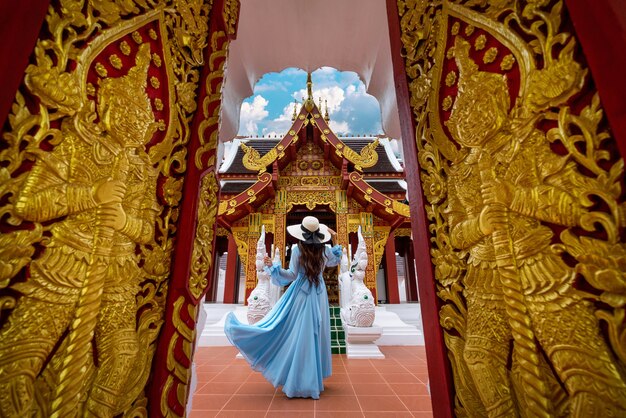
[280,220]
[254,232]
[203,242]
[342,218]
[508,148]
[185,337]
[381,234]
[102,143]
[240,234]
[212,99]
[367,229]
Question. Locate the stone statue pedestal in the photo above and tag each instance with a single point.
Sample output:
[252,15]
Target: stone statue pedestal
[360,342]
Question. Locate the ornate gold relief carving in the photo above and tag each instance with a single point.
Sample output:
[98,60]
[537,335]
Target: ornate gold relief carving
[99,205]
[381,234]
[311,199]
[211,104]
[368,157]
[309,181]
[203,243]
[253,161]
[186,334]
[231,12]
[240,234]
[502,162]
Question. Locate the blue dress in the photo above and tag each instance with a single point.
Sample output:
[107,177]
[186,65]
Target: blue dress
[291,345]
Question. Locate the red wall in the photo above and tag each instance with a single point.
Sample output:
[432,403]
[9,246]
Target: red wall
[601,29]
[20,23]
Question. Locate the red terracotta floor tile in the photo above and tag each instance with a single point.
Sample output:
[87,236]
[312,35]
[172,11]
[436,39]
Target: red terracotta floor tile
[256,377]
[388,361]
[337,403]
[360,368]
[290,414]
[372,389]
[249,403]
[381,414]
[371,403]
[419,414]
[409,388]
[203,402]
[339,368]
[423,377]
[366,378]
[337,389]
[210,367]
[338,378]
[400,378]
[338,414]
[219,388]
[283,403]
[202,414]
[256,388]
[203,377]
[231,377]
[390,368]
[393,387]
[241,414]
[417,403]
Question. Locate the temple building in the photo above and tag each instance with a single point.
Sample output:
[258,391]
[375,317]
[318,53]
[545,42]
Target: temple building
[346,182]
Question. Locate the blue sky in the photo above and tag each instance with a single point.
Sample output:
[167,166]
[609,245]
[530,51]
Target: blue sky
[268,111]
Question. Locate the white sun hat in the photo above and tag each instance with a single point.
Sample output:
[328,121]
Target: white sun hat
[310,231]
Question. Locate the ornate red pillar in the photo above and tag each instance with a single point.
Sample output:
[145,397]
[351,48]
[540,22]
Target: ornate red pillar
[393,294]
[196,231]
[442,390]
[231,271]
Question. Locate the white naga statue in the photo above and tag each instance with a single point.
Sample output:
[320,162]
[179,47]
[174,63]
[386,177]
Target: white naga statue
[265,294]
[357,302]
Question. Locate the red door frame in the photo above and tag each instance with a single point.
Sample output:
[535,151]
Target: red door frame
[440,376]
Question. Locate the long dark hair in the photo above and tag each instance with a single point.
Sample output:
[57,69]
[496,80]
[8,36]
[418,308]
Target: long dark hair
[312,259]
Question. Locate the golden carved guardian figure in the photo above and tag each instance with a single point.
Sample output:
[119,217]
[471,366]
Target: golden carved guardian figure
[99,186]
[518,291]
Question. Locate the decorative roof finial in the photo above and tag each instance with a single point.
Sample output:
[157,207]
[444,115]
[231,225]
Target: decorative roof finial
[319,106]
[309,103]
[309,86]
[326,117]
[294,116]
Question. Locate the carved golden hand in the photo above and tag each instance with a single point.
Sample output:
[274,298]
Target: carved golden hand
[490,217]
[112,216]
[108,191]
[497,191]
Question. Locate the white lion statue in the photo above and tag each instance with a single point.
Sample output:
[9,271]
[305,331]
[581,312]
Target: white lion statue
[359,308]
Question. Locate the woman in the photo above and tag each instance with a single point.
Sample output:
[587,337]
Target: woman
[291,345]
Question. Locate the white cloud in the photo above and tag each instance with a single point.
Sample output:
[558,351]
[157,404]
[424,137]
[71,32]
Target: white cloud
[334,96]
[339,127]
[280,125]
[271,87]
[252,114]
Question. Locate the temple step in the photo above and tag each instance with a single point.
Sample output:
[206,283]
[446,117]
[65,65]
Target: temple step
[337,334]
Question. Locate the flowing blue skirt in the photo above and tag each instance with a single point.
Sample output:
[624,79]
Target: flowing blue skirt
[291,345]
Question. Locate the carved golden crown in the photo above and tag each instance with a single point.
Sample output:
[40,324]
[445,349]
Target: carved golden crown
[130,88]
